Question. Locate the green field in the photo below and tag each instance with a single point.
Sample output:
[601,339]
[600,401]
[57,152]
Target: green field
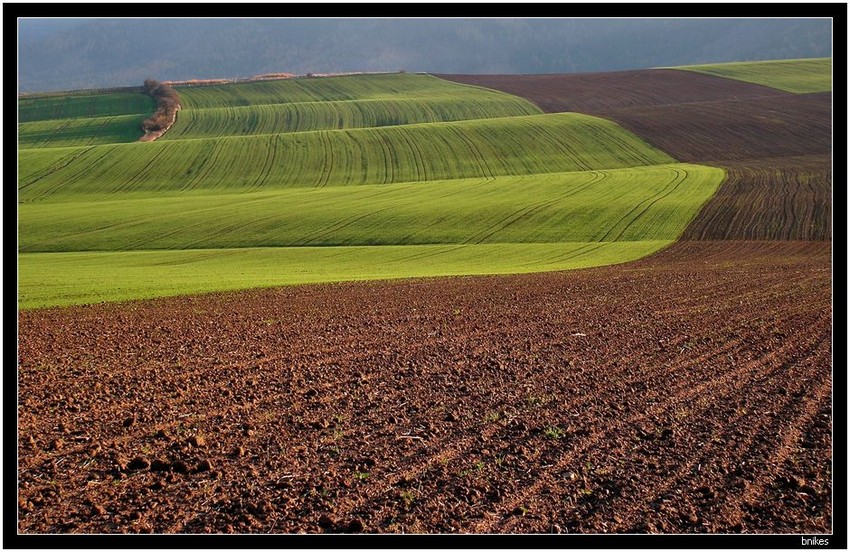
[332,103]
[56,133]
[647,203]
[40,107]
[800,76]
[81,119]
[380,176]
[50,279]
[412,153]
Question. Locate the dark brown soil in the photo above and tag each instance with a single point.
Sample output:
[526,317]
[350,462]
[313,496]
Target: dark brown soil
[599,93]
[687,392]
[731,131]
[781,198]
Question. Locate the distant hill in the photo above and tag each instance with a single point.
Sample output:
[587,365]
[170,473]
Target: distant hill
[89,53]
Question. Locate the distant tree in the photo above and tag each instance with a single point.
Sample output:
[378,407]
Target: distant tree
[150,85]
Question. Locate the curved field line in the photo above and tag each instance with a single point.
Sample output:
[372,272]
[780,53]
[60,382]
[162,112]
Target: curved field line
[770,199]
[339,225]
[483,183]
[355,217]
[139,177]
[268,163]
[473,150]
[531,210]
[389,167]
[569,149]
[205,168]
[649,202]
[148,237]
[99,155]
[583,251]
[328,160]
[64,163]
[421,170]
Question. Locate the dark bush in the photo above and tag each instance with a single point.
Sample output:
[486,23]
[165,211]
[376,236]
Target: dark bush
[167,104]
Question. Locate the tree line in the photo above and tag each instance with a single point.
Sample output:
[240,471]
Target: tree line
[167,104]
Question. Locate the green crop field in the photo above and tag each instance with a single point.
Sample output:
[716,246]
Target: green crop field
[648,203]
[55,133]
[431,151]
[800,76]
[81,119]
[50,279]
[312,180]
[351,87]
[42,107]
[295,105]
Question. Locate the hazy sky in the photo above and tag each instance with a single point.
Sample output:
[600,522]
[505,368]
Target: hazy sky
[91,52]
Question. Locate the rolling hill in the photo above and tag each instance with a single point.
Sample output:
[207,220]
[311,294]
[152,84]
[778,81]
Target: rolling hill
[680,384]
[775,145]
[334,178]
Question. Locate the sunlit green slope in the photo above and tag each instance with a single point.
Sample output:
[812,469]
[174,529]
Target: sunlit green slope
[350,178]
[800,76]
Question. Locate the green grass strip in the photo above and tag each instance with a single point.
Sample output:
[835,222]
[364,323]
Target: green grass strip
[61,279]
[644,203]
[82,104]
[486,148]
[329,89]
[800,76]
[84,131]
[328,103]
[339,114]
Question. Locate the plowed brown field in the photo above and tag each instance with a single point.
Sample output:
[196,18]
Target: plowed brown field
[600,93]
[775,145]
[785,198]
[735,130]
[687,392]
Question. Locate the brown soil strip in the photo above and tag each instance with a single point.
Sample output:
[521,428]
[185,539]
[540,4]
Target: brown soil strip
[784,198]
[735,130]
[687,392]
[598,93]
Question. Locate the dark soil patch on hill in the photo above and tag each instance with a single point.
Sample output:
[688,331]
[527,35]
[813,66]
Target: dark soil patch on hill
[725,131]
[778,198]
[598,93]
